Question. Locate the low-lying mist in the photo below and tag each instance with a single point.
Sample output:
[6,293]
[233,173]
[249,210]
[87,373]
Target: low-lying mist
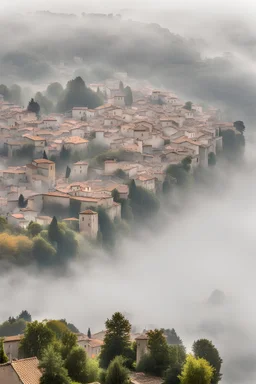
[205,57]
[164,278]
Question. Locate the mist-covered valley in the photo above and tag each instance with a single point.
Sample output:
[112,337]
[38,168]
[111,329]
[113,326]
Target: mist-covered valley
[207,59]
[201,241]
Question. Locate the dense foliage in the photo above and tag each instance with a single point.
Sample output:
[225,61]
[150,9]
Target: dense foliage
[117,339]
[77,94]
[196,371]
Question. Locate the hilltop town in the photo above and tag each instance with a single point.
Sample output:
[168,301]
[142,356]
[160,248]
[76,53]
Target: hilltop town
[136,139]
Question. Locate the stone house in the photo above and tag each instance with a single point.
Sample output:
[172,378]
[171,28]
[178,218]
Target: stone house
[79,113]
[92,346]
[88,223]
[142,346]
[75,143]
[44,169]
[146,181]
[11,346]
[79,171]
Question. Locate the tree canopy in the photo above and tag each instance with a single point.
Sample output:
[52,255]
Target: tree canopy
[196,371]
[77,94]
[188,105]
[117,339]
[128,99]
[143,202]
[159,352]
[53,368]
[239,125]
[3,357]
[205,349]
[117,373]
[33,106]
[37,337]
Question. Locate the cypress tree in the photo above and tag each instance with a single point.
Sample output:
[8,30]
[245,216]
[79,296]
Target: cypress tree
[3,357]
[53,230]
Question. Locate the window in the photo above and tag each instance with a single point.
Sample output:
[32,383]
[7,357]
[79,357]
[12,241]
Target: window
[51,167]
[83,219]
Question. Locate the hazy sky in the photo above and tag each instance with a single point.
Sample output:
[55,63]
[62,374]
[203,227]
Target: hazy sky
[219,6]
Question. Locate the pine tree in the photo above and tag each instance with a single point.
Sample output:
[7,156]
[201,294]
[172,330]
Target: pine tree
[89,333]
[45,156]
[3,357]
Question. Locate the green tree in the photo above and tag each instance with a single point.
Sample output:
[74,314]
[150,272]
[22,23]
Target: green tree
[120,173]
[205,349]
[77,94]
[22,203]
[143,202]
[116,195]
[196,371]
[177,354]
[37,337]
[64,154]
[3,357]
[76,365]
[117,373]
[53,368]
[186,163]
[71,327]
[34,229]
[178,172]
[57,327]
[3,224]
[158,349]
[54,91]
[46,105]
[5,92]
[45,155]
[68,171]
[117,339]
[211,159]
[106,228]
[43,252]
[128,99]
[16,94]
[126,210]
[33,106]
[233,145]
[89,333]
[53,231]
[25,315]
[188,105]
[93,372]
[172,374]
[172,337]
[13,328]
[68,342]
[239,125]
[121,86]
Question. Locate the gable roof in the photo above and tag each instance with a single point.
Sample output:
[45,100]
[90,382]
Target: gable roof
[26,369]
